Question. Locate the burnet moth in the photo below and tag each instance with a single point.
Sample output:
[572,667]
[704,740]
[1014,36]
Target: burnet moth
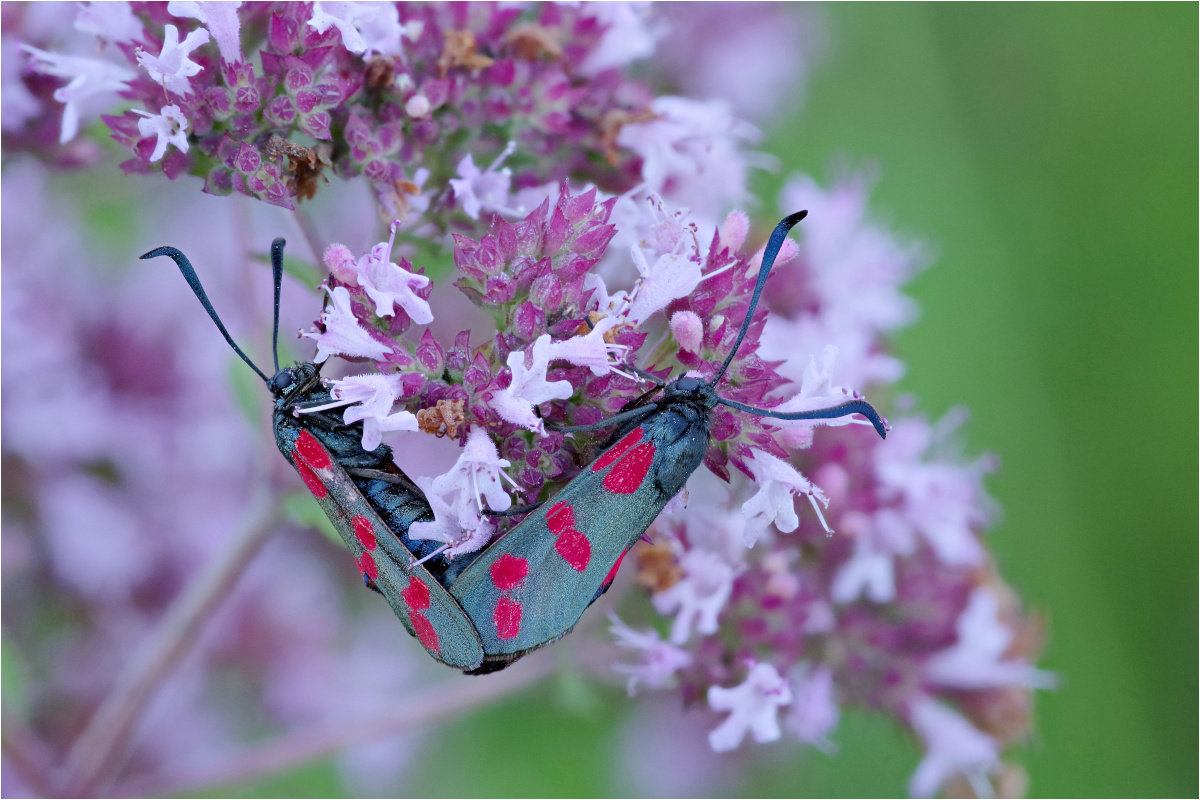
[483,611]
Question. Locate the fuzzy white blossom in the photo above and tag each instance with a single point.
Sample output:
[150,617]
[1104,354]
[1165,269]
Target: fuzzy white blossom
[953,747]
[590,350]
[343,335]
[221,20]
[92,84]
[113,22]
[976,660]
[488,190]
[365,28]
[778,482]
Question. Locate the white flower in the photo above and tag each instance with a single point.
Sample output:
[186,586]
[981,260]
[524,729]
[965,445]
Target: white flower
[375,394]
[529,387]
[660,660]
[91,82]
[589,350]
[17,103]
[477,191]
[114,21]
[672,276]
[389,284]
[453,524]
[172,67]
[366,28]
[816,391]
[698,597]
[777,482]
[753,706]
[626,38]
[953,747]
[343,335]
[477,473]
[221,20]
[975,660]
[814,713]
[168,126]
[417,107]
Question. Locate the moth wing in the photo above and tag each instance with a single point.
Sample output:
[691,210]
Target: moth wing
[427,610]
[531,586]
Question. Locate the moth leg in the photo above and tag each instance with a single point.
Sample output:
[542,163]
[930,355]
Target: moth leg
[512,512]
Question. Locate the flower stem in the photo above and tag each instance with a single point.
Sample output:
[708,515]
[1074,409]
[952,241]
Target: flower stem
[96,752]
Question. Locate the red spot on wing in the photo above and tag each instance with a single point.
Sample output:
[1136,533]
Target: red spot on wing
[572,545]
[311,480]
[364,531]
[426,635]
[617,450]
[630,471]
[416,594]
[508,571]
[575,549]
[560,517]
[311,452]
[507,618]
[366,563]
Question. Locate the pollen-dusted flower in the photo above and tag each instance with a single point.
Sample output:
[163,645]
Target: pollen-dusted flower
[753,707]
[169,126]
[778,482]
[697,598]
[343,335]
[660,660]
[221,20]
[529,387]
[173,67]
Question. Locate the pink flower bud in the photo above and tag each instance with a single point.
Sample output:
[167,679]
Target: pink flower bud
[688,330]
[734,230]
[340,262]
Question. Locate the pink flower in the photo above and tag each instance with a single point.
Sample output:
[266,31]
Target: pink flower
[478,191]
[374,395]
[660,660]
[366,28]
[814,713]
[778,481]
[688,330]
[753,708]
[477,473]
[168,125]
[91,81]
[454,523]
[953,747]
[220,18]
[388,284]
[673,276]
[976,660]
[698,597]
[343,335]
[627,36]
[113,22]
[590,350]
[529,387]
[172,67]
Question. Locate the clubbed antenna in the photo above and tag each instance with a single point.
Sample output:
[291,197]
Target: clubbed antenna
[843,410]
[277,277]
[773,244]
[189,275]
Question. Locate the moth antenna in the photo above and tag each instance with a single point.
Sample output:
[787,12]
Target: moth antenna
[277,277]
[189,275]
[772,249]
[843,410]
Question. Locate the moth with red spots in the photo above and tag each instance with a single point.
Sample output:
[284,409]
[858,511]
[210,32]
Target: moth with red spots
[483,611]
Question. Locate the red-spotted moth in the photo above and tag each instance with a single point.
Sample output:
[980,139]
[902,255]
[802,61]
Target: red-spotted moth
[481,612]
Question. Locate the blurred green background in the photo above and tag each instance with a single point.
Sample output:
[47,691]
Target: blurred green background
[1049,155]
